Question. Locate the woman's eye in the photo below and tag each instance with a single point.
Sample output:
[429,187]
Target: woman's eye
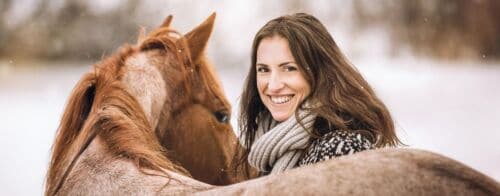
[261,69]
[290,68]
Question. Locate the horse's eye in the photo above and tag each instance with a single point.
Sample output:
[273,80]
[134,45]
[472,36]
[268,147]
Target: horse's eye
[222,116]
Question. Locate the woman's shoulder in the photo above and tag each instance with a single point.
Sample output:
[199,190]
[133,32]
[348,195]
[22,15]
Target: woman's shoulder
[336,143]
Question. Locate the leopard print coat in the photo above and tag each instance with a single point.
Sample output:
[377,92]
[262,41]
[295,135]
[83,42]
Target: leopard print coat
[335,144]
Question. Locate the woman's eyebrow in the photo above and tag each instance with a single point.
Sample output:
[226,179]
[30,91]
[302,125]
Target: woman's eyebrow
[286,63]
[281,64]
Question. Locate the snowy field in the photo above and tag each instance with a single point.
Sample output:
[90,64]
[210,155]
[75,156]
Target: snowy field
[448,108]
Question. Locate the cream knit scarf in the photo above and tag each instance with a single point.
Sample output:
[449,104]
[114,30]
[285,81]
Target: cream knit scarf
[278,146]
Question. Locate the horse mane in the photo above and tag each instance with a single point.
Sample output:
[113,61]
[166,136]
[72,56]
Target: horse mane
[100,106]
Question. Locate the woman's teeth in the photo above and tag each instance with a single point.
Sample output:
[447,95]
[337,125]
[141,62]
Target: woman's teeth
[281,99]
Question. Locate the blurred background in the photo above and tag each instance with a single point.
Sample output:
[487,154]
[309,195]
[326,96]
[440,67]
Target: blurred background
[435,64]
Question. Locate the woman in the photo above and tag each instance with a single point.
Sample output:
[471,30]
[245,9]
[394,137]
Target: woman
[303,102]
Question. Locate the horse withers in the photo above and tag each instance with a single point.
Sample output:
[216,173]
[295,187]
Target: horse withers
[150,113]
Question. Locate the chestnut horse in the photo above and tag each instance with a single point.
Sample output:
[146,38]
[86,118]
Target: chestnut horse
[143,116]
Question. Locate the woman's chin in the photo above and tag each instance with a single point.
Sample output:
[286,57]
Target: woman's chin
[280,116]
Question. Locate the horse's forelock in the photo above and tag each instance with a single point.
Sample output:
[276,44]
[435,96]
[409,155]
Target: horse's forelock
[161,38]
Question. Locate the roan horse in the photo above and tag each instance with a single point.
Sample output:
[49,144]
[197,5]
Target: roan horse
[391,171]
[151,111]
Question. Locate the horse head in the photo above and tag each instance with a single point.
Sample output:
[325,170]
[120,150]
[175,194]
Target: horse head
[194,122]
[157,104]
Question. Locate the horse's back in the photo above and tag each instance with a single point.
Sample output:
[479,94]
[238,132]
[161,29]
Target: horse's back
[374,172]
[97,173]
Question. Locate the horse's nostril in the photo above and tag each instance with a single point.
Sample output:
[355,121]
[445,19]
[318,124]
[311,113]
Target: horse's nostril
[222,116]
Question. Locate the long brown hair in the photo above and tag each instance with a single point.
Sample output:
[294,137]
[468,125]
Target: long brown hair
[342,98]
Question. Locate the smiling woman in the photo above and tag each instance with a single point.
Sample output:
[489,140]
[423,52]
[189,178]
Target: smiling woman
[304,102]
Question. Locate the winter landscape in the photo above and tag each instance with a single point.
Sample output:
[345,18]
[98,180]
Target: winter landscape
[448,106]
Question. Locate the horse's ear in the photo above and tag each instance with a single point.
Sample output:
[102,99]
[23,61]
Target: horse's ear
[198,37]
[142,35]
[167,21]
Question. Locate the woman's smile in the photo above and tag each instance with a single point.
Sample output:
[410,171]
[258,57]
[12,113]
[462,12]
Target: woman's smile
[281,99]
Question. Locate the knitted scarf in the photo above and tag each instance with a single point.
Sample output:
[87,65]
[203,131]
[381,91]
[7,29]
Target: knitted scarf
[278,146]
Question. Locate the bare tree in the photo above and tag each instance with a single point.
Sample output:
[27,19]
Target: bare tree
[4,8]
[444,29]
[73,31]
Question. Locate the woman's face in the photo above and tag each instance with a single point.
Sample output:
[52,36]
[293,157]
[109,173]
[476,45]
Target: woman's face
[282,87]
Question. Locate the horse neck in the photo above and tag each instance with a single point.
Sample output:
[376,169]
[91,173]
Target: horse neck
[116,119]
[128,133]
[99,171]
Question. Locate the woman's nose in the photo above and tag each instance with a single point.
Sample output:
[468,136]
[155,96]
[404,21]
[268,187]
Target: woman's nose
[275,83]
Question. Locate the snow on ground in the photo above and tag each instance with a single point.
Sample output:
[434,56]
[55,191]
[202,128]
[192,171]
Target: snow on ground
[449,108]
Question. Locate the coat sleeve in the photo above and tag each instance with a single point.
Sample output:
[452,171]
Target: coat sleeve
[334,144]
